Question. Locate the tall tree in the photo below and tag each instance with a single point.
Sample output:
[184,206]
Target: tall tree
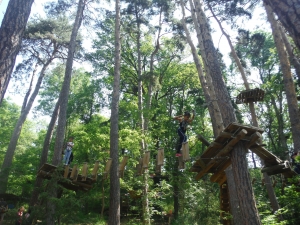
[114,206]
[293,108]
[63,100]
[238,154]
[40,34]
[288,14]
[11,32]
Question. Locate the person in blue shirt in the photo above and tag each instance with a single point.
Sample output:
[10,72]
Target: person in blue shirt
[183,120]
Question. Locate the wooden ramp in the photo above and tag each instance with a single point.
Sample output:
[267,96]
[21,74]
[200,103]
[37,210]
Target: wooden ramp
[73,179]
[215,158]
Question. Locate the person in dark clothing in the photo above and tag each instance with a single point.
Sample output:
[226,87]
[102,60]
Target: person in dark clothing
[184,120]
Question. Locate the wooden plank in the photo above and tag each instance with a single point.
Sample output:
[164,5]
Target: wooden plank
[158,169]
[253,138]
[160,157]
[185,152]
[84,171]
[88,186]
[204,171]
[232,142]
[181,163]
[201,163]
[95,170]
[203,140]
[225,135]
[66,171]
[139,167]
[273,168]
[146,159]
[123,163]
[74,173]
[220,170]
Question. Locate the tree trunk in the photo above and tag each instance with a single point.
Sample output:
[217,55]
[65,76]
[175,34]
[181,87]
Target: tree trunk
[239,167]
[44,155]
[18,128]
[234,201]
[63,99]
[270,189]
[209,92]
[114,206]
[288,14]
[293,59]
[287,79]
[243,184]
[11,33]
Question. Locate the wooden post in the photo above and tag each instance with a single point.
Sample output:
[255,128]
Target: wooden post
[84,171]
[160,157]
[122,166]
[107,168]
[146,159]
[66,173]
[139,167]
[181,163]
[95,170]
[74,173]
[185,152]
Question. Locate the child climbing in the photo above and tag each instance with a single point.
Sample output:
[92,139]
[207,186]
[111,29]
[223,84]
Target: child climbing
[184,120]
[68,151]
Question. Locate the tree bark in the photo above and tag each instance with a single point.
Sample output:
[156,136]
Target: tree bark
[63,99]
[11,33]
[287,79]
[44,155]
[239,167]
[114,206]
[18,128]
[288,14]
[208,90]
[293,59]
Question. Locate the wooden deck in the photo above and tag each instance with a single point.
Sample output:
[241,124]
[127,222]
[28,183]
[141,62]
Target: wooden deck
[215,158]
[73,180]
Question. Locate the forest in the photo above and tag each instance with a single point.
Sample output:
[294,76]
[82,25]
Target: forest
[150,112]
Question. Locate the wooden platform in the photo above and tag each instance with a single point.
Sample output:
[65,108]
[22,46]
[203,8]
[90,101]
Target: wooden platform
[73,180]
[253,95]
[215,158]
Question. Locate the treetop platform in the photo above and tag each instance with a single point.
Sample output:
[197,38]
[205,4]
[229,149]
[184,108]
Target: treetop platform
[74,181]
[216,158]
[252,95]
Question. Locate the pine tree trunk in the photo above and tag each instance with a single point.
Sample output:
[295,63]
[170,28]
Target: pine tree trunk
[63,99]
[287,79]
[238,155]
[114,206]
[18,128]
[11,33]
[44,155]
[209,92]
[293,59]
[288,14]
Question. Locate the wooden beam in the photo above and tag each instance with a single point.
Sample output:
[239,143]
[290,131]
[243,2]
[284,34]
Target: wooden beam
[220,170]
[273,168]
[253,138]
[84,171]
[225,135]
[74,173]
[222,180]
[181,164]
[95,170]
[66,172]
[123,163]
[200,162]
[82,184]
[185,152]
[160,157]
[203,140]
[204,171]
[146,159]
